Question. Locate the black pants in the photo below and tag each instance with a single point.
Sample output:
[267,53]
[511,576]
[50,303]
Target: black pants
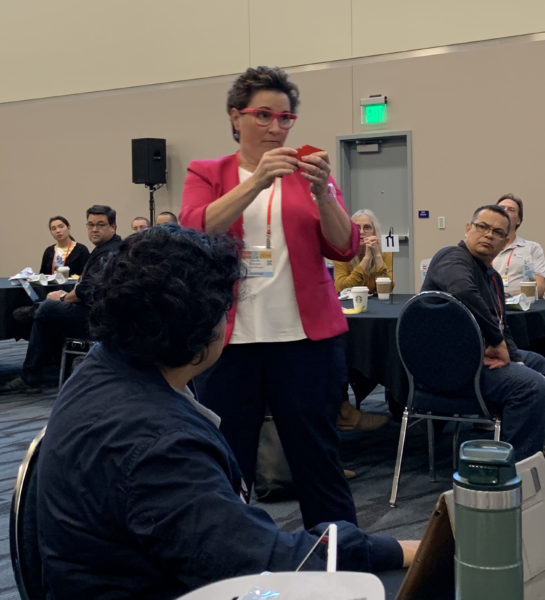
[302,383]
[53,323]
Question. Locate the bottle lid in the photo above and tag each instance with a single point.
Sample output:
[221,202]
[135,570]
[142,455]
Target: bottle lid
[486,465]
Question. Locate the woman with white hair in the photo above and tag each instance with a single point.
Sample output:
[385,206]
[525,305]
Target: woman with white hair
[369,263]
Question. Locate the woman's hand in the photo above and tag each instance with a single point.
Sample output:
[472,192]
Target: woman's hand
[224,211]
[371,244]
[274,163]
[315,168]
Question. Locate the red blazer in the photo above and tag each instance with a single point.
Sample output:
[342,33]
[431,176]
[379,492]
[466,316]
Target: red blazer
[319,307]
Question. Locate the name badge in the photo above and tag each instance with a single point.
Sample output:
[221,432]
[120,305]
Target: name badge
[258,261]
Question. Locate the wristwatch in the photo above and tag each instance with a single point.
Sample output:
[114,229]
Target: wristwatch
[61,298]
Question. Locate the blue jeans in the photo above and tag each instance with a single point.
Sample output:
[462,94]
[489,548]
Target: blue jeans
[518,391]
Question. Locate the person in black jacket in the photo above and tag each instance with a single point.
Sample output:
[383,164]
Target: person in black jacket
[139,493]
[65,252]
[65,314]
[511,379]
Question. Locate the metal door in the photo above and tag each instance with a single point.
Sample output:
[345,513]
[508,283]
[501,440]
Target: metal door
[375,172]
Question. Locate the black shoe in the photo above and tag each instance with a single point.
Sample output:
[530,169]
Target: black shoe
[18,386]
[25,314]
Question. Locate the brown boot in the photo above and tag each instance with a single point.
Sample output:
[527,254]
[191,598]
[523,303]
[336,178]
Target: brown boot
[350,418]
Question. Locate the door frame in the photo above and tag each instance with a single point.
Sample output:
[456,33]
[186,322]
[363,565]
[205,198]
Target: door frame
[343,177]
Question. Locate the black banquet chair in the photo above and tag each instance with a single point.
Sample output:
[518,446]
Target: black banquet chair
[441,348]
[23,532]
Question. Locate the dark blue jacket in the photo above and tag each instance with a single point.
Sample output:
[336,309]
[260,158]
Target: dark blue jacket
[139,496]
[480,287]
[85,286]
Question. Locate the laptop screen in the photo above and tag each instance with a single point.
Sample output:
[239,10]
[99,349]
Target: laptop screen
[31,292]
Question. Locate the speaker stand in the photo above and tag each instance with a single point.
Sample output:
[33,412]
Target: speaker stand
[152,189]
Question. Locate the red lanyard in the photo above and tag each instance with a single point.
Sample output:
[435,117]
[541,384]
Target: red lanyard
[268,230]
[268,234]
[509,260]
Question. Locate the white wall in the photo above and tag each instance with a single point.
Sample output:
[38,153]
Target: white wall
[474,109]
[59,47]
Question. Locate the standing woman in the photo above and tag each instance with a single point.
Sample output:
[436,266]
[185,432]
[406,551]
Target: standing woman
[284,347]
[65,251]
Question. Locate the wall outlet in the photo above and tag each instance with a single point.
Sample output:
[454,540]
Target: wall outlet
[441,223]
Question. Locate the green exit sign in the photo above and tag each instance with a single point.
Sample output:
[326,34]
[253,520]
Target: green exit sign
[372,114]
[374,109]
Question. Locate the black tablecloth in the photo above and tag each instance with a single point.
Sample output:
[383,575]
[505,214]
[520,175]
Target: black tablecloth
[13,296]
[371,341]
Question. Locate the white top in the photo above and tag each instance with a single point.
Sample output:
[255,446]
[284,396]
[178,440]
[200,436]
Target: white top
[512,259]
[267,310]
[205,412]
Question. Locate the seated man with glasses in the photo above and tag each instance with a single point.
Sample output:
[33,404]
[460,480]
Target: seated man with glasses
[511,379]
[64,314]
[521,259]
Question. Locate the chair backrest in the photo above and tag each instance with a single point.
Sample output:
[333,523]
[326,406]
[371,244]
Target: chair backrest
[23,530]
[441,347]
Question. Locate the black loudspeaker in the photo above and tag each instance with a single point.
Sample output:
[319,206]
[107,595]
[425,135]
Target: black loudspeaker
[149,161]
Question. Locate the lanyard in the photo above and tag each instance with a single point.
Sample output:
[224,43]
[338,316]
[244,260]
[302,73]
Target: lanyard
[509,260]
[268,230]
[268,233]
[65,256]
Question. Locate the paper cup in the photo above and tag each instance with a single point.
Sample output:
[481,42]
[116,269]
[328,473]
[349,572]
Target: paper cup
[384,287]
[65,271]
[360,294]
[529,288]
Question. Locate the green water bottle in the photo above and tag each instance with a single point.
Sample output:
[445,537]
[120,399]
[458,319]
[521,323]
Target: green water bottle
[488,523]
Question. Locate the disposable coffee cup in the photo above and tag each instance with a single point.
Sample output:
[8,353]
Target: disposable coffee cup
[384,287]
[360,294]
[64,271]
[528,288]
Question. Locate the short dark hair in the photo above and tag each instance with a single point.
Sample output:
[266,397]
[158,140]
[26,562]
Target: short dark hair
[171,215]
[160,297]
[141,219]
[517,201]
[102,209]
[494,208]
[260,79]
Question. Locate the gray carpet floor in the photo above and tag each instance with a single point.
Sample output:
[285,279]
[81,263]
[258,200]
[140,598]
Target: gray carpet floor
[370,455]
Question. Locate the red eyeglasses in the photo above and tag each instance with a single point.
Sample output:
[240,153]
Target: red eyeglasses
[264,117]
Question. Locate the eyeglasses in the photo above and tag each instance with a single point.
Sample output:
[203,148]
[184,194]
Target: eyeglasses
[484,228]
[366,227]
[264,117]
[99,225]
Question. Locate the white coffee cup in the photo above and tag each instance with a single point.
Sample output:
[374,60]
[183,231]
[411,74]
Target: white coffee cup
[384,287]
[360,294]
[65,271]
[529,289]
